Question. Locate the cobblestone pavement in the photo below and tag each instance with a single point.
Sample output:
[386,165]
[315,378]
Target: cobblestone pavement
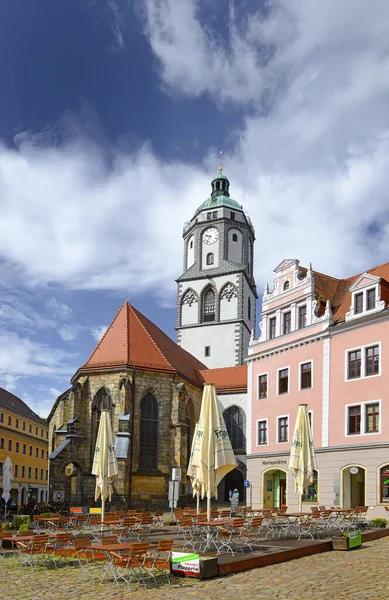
[361,574]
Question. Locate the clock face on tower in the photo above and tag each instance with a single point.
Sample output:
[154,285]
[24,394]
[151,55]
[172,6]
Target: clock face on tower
[210,235]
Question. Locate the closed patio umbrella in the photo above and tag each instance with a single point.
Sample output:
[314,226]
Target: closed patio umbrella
[193,467]
[302,455]
[213,450]
[105,465]
[7,479]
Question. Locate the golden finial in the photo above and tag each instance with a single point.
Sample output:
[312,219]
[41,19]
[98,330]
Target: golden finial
[220,161]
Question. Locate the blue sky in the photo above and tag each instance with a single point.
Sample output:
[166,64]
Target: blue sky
[112,113]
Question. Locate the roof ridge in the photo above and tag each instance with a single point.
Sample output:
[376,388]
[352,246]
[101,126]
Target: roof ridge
[221,368]
[105,334]
[135,311]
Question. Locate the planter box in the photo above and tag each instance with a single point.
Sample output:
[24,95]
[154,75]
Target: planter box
[349,541]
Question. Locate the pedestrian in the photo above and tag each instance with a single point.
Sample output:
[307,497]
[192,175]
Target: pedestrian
[234,499]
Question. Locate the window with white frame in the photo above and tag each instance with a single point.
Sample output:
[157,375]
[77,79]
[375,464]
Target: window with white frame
[262,386]
[358,303]
[363,418]
[286,322]
[262,432]
[306,375]
[363,362]
[283,381]
[272,328]
[302,316]
[282,430]
[365,300]
[370,299]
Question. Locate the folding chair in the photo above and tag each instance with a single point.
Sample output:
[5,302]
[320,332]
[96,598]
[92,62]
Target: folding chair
[232,537]
[157,562]
[33,552]
[131,565]
[4,535]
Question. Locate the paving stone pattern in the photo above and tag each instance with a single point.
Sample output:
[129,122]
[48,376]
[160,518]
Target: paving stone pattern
[360,574]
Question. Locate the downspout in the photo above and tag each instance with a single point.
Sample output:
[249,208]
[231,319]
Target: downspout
[132,435]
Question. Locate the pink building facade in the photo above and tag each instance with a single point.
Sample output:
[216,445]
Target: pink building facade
[324,342]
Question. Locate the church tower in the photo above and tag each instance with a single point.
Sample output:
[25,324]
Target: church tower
[216,293]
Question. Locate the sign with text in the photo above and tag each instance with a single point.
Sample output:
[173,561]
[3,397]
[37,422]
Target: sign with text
[354,538]
[184,563]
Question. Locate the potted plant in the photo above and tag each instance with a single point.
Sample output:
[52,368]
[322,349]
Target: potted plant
[378,522]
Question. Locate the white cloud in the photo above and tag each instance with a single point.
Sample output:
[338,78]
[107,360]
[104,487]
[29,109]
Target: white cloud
[58,309]
[69,333]
[23,357]
[312,79]
[98,332]
[309,165]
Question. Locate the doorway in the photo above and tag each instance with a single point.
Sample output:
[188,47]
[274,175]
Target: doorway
[274,489]
[234,479]
[353,478]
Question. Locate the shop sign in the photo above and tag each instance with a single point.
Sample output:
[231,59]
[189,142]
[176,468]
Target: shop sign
[274,462]
[184,563]
[354,538]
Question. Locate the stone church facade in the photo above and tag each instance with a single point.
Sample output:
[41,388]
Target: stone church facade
[153,386]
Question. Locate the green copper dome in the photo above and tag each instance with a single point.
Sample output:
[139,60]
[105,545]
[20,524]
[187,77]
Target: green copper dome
[220,195]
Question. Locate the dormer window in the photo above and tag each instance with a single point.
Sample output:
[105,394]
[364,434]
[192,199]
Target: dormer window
[370,299]
[365,297]
[286,285]
[358,303]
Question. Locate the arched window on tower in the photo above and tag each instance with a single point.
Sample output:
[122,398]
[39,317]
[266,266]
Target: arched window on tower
[209,305]
[148,439]
[234,420]
[234,237]
[210,258]
[218,185]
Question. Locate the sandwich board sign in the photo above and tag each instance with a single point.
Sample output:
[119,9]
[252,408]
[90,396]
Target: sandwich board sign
[184,563]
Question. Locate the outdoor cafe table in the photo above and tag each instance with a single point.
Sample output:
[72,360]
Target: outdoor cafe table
[212,531]
[293,522]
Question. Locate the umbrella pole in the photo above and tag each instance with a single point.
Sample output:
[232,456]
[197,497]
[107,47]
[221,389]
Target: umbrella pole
[300,502]
[102,510]
[208,506]
[198,503]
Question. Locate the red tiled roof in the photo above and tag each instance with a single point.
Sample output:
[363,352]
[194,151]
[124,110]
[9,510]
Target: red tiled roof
[132,340]
[337,290]
[226,379]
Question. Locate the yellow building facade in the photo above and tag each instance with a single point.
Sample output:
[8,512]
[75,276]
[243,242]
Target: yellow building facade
[24,438]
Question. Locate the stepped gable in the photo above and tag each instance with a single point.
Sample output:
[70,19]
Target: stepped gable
[13,403]
[132,340]
[337,290]
[226,379]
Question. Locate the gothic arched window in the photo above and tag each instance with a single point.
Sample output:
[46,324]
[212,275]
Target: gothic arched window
[101,400]
[209,305]
[148,440]
[234,419]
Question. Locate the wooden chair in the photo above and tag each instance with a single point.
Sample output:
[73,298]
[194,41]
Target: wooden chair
[157,562]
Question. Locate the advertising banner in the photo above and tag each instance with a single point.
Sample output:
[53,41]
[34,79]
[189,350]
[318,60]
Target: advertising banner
[184,563]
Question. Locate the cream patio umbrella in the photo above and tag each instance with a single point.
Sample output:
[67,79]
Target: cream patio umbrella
[302,455]
[7,479]
[105,465]
[193,467]
[213,450]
